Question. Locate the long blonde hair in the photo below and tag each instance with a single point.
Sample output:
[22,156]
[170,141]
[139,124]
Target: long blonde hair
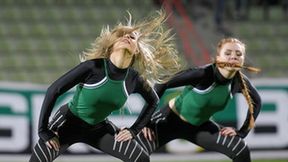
[245,90]
[158,59]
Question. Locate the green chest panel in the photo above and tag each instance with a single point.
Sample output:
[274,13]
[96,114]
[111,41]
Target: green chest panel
[197,106]
[94,102]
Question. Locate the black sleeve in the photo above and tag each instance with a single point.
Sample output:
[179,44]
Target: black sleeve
[190,76]
[61,85]
[256,100]
[151,99]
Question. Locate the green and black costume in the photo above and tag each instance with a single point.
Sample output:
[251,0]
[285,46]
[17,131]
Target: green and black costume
[206,92]
[101,89]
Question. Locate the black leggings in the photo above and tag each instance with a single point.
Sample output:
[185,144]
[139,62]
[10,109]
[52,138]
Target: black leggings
[168,126]
[71,130]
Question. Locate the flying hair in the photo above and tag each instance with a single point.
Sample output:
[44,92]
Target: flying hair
[157,61]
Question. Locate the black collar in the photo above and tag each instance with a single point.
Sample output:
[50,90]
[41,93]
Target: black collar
[219,78]
[113,68]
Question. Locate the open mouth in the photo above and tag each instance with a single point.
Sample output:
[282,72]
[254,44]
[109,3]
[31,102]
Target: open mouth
[126,41]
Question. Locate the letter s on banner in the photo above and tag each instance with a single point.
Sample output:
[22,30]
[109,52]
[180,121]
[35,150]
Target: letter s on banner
[14,125]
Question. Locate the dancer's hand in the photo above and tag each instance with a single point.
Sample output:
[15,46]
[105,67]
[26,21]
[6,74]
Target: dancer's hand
[228,131]
[148,133]
[123,135]
[53,143]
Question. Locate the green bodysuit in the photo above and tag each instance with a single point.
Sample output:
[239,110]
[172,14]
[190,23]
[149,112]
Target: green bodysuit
[197,106]
[94,102]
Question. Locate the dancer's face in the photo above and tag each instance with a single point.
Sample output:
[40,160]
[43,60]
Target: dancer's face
[232,53]
[128,42]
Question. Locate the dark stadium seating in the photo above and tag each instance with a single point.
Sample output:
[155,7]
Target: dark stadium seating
[40,40]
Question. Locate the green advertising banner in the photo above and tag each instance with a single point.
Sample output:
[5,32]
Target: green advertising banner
[20,105]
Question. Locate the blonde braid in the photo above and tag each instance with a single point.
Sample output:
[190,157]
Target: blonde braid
[245,92]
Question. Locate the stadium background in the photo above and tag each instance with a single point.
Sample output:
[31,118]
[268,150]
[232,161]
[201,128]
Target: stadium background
[41,39]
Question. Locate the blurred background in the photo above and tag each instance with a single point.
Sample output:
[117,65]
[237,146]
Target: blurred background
[40,40]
